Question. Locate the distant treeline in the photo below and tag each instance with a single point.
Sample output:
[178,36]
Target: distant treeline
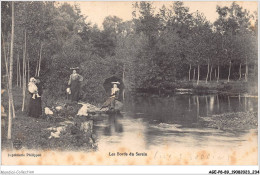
[151,50]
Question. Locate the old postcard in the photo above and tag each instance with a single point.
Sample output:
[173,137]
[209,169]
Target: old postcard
[129,83]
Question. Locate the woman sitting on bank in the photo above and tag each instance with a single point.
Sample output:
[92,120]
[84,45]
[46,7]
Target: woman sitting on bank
[110,102]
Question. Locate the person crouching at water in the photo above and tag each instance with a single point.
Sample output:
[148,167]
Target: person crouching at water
[110,102]
[33,88]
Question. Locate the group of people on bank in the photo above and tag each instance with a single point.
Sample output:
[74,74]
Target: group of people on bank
[35,89]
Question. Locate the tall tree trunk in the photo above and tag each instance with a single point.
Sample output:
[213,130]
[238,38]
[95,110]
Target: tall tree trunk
[12,45]
[246,73]
[207,73]
[123,79]
[39,67]
[189,72]
[9,131]
[9,135]
[10,98]
[215,73]
[28,70]
[229,70]
[5,56]
[17,69]
[24,71]
[8,52]
[13,106]
[255,69]
[210,72]
[194,72]
[218,74]
[36,70]
[6,66]
[198,74]
[240,73]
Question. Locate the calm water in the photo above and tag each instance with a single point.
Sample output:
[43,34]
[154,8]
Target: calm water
[151,122]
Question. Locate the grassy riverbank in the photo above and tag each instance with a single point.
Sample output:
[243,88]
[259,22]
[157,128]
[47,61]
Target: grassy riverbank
[232,87]
[232,121]
[35,133]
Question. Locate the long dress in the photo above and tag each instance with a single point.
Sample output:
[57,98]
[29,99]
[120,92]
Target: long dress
[34,106]
[111,101]
[74,83]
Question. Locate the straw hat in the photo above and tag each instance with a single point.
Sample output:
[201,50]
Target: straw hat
[32,79]
[115,82]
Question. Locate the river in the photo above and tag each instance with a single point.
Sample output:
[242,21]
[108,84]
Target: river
[152,122]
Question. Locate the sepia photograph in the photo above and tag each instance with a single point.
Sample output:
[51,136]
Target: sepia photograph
[129,83]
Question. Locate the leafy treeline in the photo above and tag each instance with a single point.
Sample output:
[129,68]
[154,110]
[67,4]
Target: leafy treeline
[152,50]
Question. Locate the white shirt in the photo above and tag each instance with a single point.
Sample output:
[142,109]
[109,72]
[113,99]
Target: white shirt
[32,87]
[113,91]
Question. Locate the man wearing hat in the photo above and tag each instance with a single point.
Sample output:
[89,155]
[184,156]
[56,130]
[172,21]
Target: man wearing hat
[74,84]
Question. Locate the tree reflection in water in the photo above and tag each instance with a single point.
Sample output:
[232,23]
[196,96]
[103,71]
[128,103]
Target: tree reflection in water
[113,126]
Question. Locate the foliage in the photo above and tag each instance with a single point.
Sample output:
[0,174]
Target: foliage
[152,50]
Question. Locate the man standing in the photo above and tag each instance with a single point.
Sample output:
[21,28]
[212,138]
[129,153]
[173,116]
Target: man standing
[74,83]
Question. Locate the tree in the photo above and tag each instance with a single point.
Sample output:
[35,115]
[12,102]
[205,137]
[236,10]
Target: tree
[199,37]
[24,69]
[211,54]
[174,37]
[146,22]
[9,135]
[233,23]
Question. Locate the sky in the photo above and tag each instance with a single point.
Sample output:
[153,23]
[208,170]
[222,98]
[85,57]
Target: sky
[98,10]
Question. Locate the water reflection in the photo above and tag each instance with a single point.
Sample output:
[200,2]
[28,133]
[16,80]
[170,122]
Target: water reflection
[187,108]
[113,125]
[211,103]
[152,121]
